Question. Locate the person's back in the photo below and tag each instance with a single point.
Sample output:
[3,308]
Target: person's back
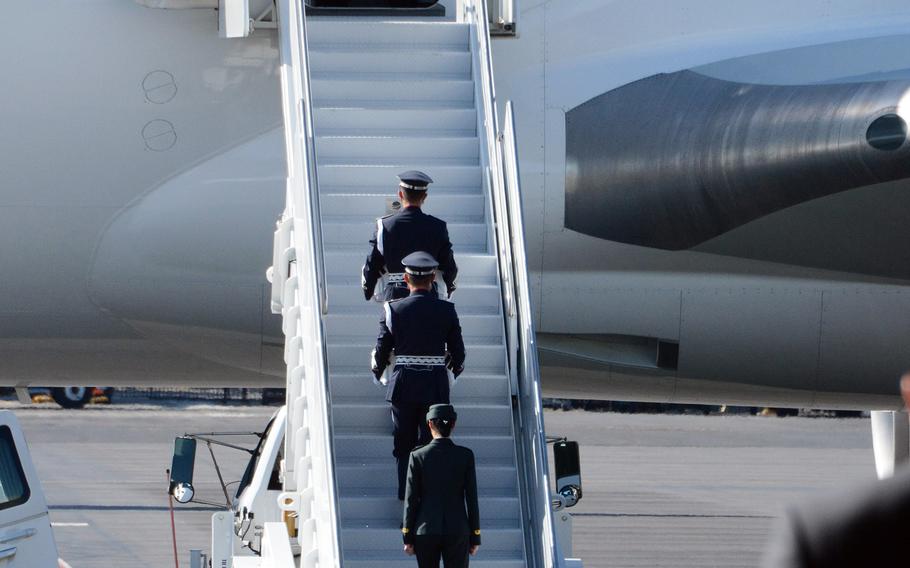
[423,325]
[411,230]
[447,475]
[441,512]
[403,233]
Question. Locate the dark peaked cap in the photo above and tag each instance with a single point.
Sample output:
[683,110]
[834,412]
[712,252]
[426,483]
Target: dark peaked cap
[442,412]
[419,263]
[415,180]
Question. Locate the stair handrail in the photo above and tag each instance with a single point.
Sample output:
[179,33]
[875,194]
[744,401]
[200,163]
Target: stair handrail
[500,161]
[530,403]
[299,294]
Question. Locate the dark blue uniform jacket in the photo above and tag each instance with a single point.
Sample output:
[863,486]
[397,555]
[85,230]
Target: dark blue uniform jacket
[421,324]
[397,236]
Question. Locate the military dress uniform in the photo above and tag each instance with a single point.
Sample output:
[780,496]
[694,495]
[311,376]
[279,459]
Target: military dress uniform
[424,334]
[441,513]
[402,233]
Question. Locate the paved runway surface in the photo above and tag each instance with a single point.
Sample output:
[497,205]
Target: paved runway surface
[660,490]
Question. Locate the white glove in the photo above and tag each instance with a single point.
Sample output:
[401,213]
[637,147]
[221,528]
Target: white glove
[451,378]
[381,381]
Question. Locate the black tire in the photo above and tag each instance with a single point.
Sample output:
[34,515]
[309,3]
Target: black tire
[72,397]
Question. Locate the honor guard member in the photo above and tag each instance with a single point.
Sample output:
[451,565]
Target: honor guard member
[402,233]
[423,332]
[441,514]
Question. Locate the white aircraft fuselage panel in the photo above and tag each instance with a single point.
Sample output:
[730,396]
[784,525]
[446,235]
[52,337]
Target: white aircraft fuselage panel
[142,172]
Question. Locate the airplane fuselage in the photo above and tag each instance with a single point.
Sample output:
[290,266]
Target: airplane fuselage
[142,169]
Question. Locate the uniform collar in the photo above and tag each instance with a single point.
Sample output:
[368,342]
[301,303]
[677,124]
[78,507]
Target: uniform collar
[412,209]
[420,293]
[446,441]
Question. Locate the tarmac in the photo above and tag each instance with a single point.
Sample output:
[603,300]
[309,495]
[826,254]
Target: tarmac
[659,490]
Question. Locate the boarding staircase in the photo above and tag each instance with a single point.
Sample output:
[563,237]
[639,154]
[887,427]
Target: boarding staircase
[364,99]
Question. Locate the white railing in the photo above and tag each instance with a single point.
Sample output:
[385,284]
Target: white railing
[299,294]
[501,178]
[529,407]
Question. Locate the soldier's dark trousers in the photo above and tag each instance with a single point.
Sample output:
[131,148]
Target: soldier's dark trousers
[452,549]
[409,427]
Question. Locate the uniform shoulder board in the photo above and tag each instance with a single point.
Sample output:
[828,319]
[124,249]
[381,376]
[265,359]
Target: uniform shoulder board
[387,216]
[418,448]
[396,300]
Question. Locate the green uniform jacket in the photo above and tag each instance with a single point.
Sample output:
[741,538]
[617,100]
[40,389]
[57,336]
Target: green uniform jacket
[441,494]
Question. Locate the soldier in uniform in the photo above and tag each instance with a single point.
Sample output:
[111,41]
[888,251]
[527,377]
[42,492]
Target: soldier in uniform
[441,515]
[402,233]
[423,332]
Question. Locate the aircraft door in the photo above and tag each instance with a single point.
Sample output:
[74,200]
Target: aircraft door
[26,539]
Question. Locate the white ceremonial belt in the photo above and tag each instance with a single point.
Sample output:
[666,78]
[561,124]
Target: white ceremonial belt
[394,277]
[430,360]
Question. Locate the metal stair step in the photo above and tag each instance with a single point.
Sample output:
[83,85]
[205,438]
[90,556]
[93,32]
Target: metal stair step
[368,218]
[376,413]
[387,537]
[373,205]
[365,325]
[347,292]
[361,474]
[354,87]
[371,174]
[468,388]
[465,164]
[458,248]
[483,559]
[397,147]
[482,357]
[340,235]
[511,560]
[472,267]
[390,190]
[400,129]
[390,58]
[390,121]
[377,443]
[323,32]
[365,507]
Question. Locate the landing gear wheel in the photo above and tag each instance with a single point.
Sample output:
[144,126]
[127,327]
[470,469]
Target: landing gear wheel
[71,397]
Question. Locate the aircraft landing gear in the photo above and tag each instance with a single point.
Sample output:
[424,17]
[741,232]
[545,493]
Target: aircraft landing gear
[72,397]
